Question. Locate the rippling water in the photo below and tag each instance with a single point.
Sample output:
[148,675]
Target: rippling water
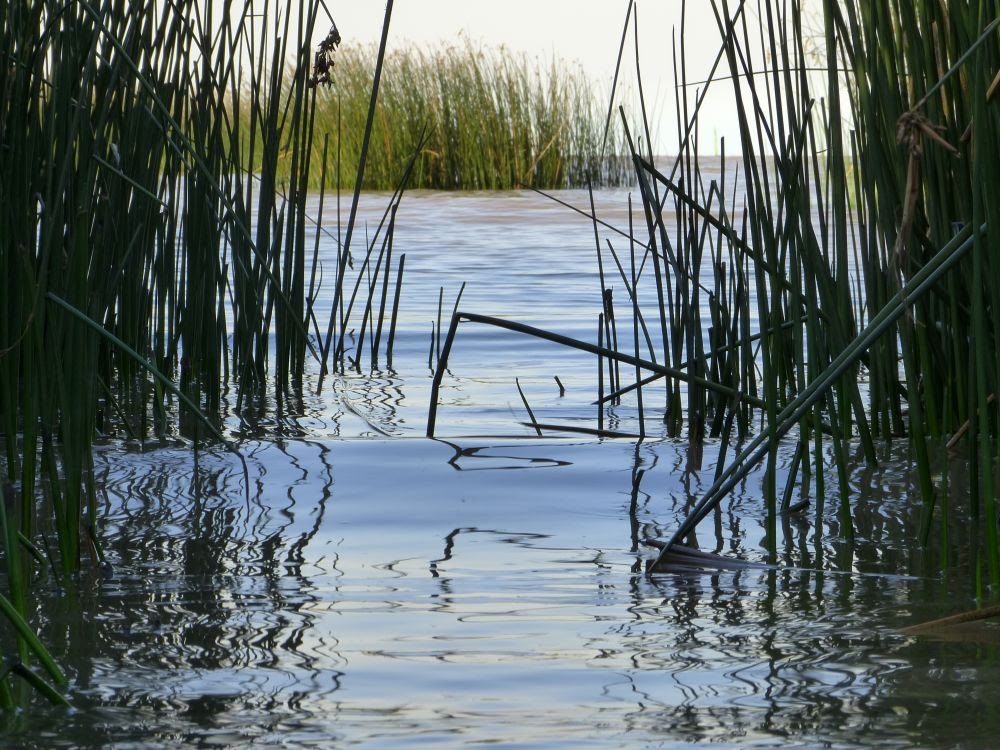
[377,589]
[522,257]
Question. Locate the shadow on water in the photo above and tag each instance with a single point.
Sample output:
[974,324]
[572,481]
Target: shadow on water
[510,607]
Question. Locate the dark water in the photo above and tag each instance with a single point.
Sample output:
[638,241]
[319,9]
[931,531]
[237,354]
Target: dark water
[377,589]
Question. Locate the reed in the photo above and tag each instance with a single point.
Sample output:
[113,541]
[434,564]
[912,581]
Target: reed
[836,288]
[830,208]
[493,120]
[878,189]
[154,269]
[942,182]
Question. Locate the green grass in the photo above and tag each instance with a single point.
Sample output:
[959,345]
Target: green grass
[493,120]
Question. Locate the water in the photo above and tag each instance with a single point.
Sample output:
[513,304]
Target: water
[522,257]
[377,589]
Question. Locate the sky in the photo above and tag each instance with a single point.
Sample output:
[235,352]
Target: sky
[583,33]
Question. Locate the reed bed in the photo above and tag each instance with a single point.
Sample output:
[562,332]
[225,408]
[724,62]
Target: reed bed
[871,242]
[866,195]
[836,289]
[867,268]
[155,271]
[492,120]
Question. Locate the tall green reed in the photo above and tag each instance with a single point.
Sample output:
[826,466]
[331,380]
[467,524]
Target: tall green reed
[154,265]
[927,76]
[491,119]
[868,177]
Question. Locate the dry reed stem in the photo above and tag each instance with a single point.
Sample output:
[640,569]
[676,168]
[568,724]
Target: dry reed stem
[972,615]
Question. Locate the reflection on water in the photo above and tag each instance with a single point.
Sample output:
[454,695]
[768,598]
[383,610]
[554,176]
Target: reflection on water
[412,592]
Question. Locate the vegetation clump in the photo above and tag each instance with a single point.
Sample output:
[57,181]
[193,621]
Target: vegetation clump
[491,121]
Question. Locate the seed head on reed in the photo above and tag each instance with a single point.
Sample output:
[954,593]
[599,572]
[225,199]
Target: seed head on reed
[324,62]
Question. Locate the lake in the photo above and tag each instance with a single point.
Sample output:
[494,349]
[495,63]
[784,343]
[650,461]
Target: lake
[377,589]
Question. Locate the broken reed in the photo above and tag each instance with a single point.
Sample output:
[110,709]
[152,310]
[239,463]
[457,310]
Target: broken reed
[493,120]
[157,271]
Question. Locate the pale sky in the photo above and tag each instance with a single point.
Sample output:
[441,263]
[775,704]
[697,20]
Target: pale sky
[581,32]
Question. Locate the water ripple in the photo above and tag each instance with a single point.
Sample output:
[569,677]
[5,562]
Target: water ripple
[350,604]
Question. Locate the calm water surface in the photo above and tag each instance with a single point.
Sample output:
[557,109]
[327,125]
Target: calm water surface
[378,589]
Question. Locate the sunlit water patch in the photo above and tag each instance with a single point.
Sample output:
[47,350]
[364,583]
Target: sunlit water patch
[520,256]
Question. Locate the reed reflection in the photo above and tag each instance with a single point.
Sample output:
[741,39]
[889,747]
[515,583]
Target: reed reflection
[220,594]
[465,459]
[770,653]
